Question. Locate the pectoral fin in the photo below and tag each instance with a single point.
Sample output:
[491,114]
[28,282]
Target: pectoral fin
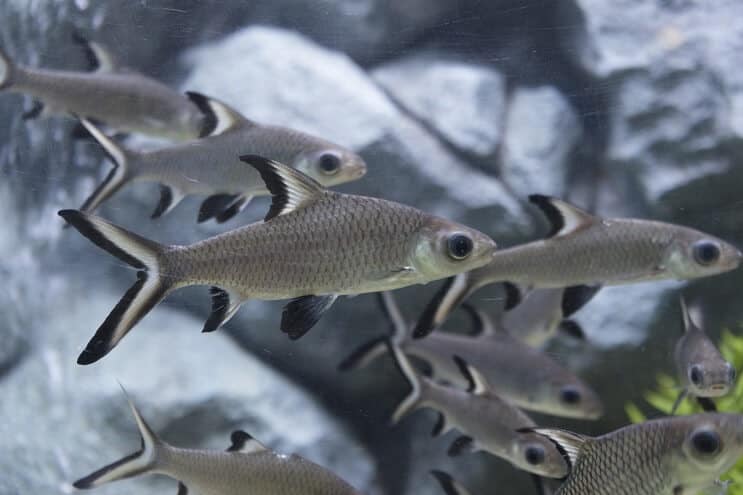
[301,314]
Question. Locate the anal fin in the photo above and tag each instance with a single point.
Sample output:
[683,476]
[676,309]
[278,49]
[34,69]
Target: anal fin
[225,304]
[302,313]
[708,405]
[182,489]
[214,204]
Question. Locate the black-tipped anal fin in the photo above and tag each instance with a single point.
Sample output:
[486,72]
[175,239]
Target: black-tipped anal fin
[708,405]
[426,324]
[575,297]
[213,205]
[220,308]
[302,313]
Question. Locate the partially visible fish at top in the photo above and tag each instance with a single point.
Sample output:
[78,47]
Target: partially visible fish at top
[583,249]
[702,371]
[679,455]
[526,377]
[119,97]
[211,166]
[313,246]
[245,468]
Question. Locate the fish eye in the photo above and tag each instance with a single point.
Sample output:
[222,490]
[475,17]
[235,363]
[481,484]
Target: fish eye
[534,455]
[459,246]
[695,375]
[329,164]
[706,252]
[570,395]
[706,442]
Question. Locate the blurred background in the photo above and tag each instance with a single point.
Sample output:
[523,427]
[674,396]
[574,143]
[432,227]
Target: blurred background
[460,107]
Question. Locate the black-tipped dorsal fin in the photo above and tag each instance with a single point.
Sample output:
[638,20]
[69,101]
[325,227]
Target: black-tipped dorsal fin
[564,218]
[514,295]
[577,296]
[686,317]
[169,199]
[244,443]
[478,385]
[482,324]
[568,443]
[99,58]
[448,484]
[291,189]
[219,117]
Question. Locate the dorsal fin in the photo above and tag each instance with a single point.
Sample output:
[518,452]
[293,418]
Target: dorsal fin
[290,188]
[477,383]
[514,295]
[244,443]
[99,58]
[577,296]
[564,218]
[219,117]
[686,317]
[482,324]
[568,443]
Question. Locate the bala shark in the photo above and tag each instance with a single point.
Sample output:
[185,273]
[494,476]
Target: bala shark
[211,166]
[121,98]
[583,249]
[246,468]
[524,376]
[314,245]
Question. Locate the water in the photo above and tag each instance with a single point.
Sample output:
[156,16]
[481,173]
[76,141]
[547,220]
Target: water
[460,108]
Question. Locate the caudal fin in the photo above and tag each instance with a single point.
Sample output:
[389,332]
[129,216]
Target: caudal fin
[7,67]
[132,465]
[119,175]
[149,289]
[446,300]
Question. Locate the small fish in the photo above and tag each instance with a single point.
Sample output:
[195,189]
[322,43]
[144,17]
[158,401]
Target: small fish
[524,376]
[247,467]
[121,98]
[314,245]
[448,484]
[543,313]
[679,455]
[583,249]
[701,368]
[486,422]
[211,166]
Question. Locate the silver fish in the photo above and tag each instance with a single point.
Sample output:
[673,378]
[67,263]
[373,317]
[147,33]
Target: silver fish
[314,245]
[681,455]
[702,370]
[448,484]
[246,468]
[211,166]
[543,313]
[486,422]
[121,98]
[583,249]
[524,376]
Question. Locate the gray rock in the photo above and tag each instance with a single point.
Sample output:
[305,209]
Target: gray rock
[542,131]
[192,393]
[462,102]
[675,95]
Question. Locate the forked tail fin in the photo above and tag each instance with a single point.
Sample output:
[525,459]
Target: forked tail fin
[132,465]
[149,289]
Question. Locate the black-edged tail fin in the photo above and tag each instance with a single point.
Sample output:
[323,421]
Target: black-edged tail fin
[7,68]
[414,398]
[446,300]
[448,484]
[118,176]
[149,289]
[132,465]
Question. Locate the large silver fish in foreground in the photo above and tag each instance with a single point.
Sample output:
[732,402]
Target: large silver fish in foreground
[524,376]
[121,98]
[246,468]
[484,420]
[583,249]
[669,456]
[702,370]
[211,166]
[314,245]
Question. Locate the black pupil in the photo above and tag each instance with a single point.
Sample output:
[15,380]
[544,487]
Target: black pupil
[706,442]
[706,252]
[329,163]
[534,455]
[696,375]
[460,245]
[570,396]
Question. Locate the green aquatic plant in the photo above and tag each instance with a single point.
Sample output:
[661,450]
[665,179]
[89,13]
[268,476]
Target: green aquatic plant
[663,396]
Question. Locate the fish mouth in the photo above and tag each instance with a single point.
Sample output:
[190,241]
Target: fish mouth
[718,390]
